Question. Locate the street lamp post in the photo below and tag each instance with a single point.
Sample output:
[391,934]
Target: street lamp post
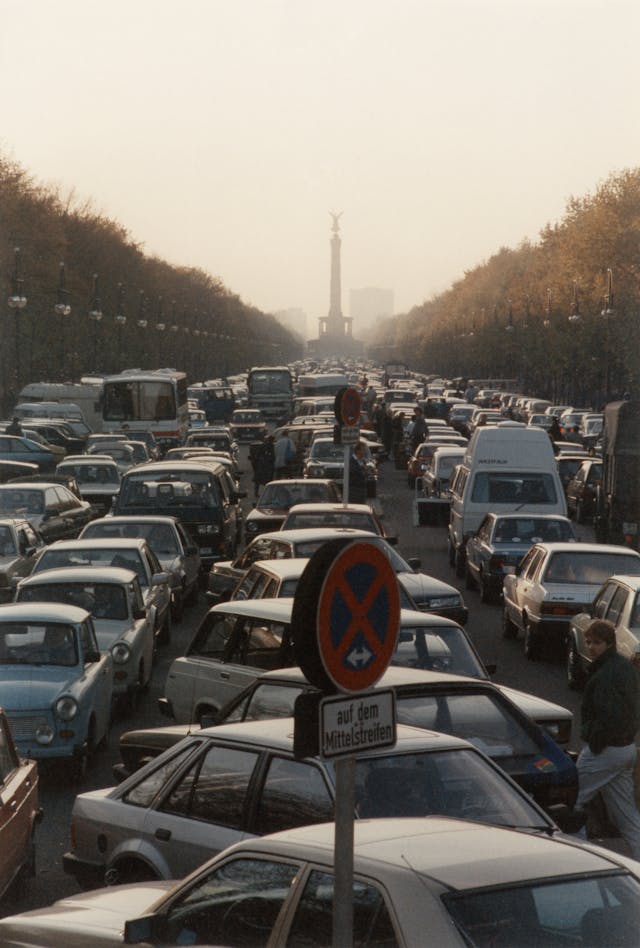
[607,312]
[120,320]
[17,302]
[95,314]
[62,309]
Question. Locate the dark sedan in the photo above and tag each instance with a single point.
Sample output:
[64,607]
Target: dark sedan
[582,490]
[278,497]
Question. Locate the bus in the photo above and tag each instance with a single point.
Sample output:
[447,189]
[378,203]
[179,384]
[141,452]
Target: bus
[147,401]
[86,395]
[270,388]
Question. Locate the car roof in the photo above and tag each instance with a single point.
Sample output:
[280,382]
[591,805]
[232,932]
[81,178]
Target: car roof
[80,574]
[565,547]
[29,485]
[275,610]
[42,612]
[162,467]
[14,522]
[530,516]
[321,533]
[454,853]
[290,568]
[633,582]
[329,508]
[89,459]
[104,543]
[395,676]
[135,518]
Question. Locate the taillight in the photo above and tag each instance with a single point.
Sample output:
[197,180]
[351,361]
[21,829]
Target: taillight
[559,609]
[496,562]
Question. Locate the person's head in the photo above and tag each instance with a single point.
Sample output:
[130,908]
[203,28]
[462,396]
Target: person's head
[16,420]
[417,411]
[599,636]
[359,450]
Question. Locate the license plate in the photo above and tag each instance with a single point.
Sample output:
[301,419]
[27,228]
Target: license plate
[509,569]
[206,550]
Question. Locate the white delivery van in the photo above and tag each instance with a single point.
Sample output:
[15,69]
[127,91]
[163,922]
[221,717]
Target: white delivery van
[507,468]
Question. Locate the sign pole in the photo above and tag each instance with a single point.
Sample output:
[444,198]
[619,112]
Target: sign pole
[345,476]
[345,769]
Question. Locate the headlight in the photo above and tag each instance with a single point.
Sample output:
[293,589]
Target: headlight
[207,528]
[441,601]
[317,471]
[252,527]
[44,734]
[121,653]
[66,708]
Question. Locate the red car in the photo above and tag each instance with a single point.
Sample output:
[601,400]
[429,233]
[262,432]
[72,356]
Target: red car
[19,813]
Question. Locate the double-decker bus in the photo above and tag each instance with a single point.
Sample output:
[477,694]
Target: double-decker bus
[147,401]
[270,389]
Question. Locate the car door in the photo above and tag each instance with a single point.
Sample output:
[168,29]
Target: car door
[625,640]
[28,543]
[191,558]
[204,810]
[98,678]
[18,804]
[54,525]
[77,512]
[159,595]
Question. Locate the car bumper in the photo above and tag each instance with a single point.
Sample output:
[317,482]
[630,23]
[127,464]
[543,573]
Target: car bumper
[90,875]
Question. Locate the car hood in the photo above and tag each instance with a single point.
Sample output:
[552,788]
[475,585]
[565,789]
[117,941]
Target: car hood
[109,631]
[258,512]
[420,586]
[8,562]
[93,918]
[25,687]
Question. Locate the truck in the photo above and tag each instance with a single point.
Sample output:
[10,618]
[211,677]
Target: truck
[270,388]
[618,495]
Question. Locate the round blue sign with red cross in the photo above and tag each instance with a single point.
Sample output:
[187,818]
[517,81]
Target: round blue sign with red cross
[358,616]
[347,406]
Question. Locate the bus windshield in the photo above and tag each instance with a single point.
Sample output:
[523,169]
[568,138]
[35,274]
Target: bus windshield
[139,401]
[270,382]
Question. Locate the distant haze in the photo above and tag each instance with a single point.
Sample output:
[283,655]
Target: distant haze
[221,134]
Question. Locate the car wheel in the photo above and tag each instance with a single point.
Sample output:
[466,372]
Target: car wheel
[509,628]
[164,632]
[532,643]
[128,872]
[575,671]
[468,578]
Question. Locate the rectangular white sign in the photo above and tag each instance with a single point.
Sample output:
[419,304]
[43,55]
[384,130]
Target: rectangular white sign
[356,723]
[350,434]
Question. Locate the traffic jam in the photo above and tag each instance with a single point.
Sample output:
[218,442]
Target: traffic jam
[320,654]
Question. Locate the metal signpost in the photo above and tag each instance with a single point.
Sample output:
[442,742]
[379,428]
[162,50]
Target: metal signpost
[347,408]
[355,634]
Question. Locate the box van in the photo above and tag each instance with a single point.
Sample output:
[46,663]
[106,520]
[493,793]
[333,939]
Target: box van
[507,468]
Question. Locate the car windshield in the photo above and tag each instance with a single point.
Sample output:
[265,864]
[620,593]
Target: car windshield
[287,494]
[244,417]
[445,465]
[513,488]
[161,537]
[91,473]
[455,783]
[598,911]
[437,649]
[477,716]
[331,518]
[531,530]
[102,600]
[125,559]
[26,643]
[158,489]
[7,542]
[21,502]
[326,451]
[591,568]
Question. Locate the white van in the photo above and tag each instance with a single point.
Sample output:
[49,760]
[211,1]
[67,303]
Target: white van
[507,468]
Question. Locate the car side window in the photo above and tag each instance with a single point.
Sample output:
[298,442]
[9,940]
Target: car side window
[212,638]
[238,904]
[312,923]
[603,600]
[8,757]
[144,792]
[617,604]
[534,564]
[23,542]
[294,793]
[215,788]
[246,584]
[88,638]
[51,500]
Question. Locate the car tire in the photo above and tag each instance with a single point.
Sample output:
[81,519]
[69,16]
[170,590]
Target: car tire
[128,872]
[532,643]
[164,632]
[509,628]
[575,672]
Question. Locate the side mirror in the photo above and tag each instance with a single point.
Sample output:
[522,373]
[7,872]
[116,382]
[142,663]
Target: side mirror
[148,928]
[415,563]
[491,668]
[91,657]
[158,579]
[139,613]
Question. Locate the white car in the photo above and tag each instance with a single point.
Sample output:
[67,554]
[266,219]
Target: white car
[552,583]
[462,883]
[122,624]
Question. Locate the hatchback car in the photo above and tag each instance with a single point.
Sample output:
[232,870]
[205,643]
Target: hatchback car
[52,509]
[500,543]
[97,476]
[56,684]
[618,601]
[277,498]
[19,543]
[220,785]
[552,583]
[326,459]
[247,424]
[177,554]
[19,812]
[133,554]
[15,448]
[463,883]
[121,622]
[358,516]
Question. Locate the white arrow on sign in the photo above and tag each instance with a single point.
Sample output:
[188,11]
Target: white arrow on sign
[359,656]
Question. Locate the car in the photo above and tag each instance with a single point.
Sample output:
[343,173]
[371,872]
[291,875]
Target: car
[98,478]
[121,451]
[501,541]
[121,622]
[247,424]
[358,516]
[222,784]
[277,497]
[56,433]
[618,601]
[582,490]
[236,640]
[50,508]
[16,470]
[217,438]
[326,459]
[15,448]
[133,554]
[19,543]
[434,500]
[463,883]
[178,556]
[56,684]
[552,583]
[428,593]
[568,466]
[201,494]
[19,813]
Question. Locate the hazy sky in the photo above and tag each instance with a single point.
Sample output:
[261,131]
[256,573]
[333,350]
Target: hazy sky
[220,133]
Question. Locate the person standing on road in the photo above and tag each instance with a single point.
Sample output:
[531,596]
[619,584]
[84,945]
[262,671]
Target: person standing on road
[358,474]
[263,468]
[610,719]
[14,428]
[419,428]
[285,454]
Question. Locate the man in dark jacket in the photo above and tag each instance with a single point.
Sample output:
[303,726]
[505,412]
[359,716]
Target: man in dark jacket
[358,475]
[419,428]
[263,468]
[610,720]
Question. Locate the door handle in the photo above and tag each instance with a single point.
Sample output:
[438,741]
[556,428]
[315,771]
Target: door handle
[225,676]
[14,804]
[163,834]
